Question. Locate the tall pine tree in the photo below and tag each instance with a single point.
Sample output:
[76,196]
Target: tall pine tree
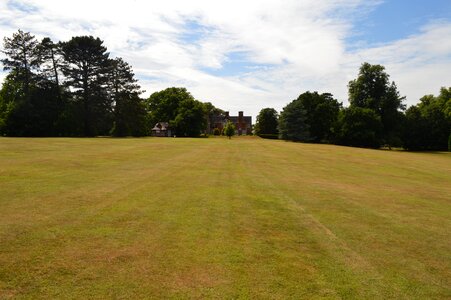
[129,110]
[22,58]
[50,56]
[86,67]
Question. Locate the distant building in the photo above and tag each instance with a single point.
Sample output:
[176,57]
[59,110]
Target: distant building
[243,124]
[161,129]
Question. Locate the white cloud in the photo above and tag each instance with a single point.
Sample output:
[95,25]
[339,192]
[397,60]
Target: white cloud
[292,45]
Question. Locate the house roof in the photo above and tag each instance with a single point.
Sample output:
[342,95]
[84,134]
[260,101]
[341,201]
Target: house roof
[161,126]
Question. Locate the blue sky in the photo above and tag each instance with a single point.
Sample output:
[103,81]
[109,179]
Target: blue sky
[247,55]
[397,19]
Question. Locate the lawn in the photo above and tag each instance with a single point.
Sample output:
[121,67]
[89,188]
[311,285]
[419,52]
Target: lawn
[218,218]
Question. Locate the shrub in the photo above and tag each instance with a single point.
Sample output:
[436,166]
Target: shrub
[229,129]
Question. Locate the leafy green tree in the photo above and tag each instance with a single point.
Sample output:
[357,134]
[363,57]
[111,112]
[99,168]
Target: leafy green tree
[86,68]
[428,124]
[129,116]
[34,115]
[293,122]
[415,135]
[359,127]
[229,129]
[190,119]
[267,121]
[11,99]
[211,113]
[129,109]
[163,105]
[178,107]
[321,111]
[373,90]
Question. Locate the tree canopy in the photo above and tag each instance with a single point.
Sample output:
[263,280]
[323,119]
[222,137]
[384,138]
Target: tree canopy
[428,124]
[74,88]
[321,111]
[86,66]
[229,129]
[190,119]
[359,127]
[293,122]
[163,105]
[267,121]
[373,90]
[176,105]
[129,112]
[67,88]
[22,58]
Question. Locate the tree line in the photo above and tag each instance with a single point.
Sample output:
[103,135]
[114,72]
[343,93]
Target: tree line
[376,117]
[74,88]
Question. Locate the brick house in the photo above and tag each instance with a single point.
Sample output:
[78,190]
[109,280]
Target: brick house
[243,124]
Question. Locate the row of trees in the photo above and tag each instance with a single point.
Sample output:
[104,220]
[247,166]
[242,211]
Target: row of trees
[74,88]
[375,117]
[428,124]
[67,88]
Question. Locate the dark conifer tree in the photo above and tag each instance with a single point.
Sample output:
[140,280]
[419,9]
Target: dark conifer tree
[22,58]
[267,122]
[293,123]
[50,56]
[129,110]
[86,67]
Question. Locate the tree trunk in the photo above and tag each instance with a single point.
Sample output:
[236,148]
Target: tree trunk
[86,110]
[55,70]
[27,75]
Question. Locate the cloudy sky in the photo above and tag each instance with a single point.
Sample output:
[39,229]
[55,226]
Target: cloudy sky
[246,54]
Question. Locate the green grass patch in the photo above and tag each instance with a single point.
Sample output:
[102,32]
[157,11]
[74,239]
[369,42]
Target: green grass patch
[218,218]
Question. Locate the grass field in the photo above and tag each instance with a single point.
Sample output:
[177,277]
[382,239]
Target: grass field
[217,218]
